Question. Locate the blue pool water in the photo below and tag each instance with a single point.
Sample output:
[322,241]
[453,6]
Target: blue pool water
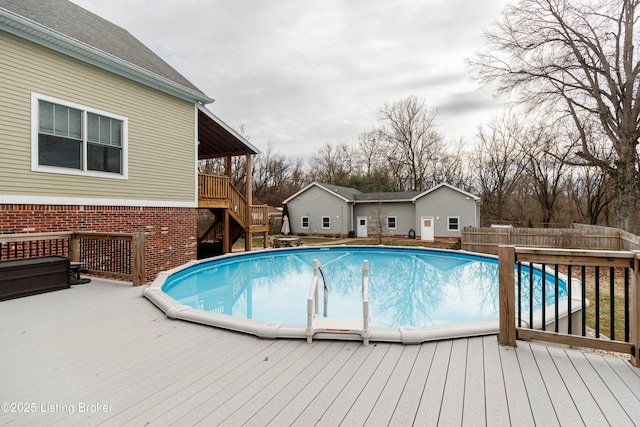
[407,286]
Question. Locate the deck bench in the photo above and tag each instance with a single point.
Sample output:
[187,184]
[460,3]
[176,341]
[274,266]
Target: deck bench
[29,276]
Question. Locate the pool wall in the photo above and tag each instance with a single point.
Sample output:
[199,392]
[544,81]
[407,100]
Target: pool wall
[271,330]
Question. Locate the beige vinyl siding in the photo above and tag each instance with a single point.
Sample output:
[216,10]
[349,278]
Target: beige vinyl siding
[161,128]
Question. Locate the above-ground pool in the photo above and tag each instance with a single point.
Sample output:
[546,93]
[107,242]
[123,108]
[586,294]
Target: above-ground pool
[415,294]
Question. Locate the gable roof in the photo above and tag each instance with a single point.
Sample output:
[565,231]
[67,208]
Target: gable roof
[346,194]
[74,31]
[352,195]
[449,186]
[397,196]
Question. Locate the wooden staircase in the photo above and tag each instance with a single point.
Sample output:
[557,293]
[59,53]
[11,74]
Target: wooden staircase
[231,215]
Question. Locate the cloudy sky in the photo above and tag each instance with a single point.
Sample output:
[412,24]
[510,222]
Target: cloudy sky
[299,74]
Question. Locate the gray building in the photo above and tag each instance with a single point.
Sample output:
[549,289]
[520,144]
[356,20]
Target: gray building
[439,212]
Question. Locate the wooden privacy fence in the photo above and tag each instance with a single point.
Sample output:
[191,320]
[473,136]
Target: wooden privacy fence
[601,290]
[579,236]
[118,255]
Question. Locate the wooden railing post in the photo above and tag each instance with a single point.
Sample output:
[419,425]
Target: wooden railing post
[74,248]
[506,262]
[635,310]
[137,258]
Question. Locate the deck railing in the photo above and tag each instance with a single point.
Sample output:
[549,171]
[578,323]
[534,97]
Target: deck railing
[118,255]
[211,187]
[598,308]
[239,204]
[259,214]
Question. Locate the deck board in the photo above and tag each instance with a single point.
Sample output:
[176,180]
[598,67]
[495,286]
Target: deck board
[431,402]
[389,398]
[474,412]
[607,402]
[540,403]
[496,395]
[587,406]
[517,398]
[366,402]
[564,407]
[103,343]
[279,396]
[405,412]
[452,406]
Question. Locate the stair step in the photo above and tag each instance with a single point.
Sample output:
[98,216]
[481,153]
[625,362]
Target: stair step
[344,325]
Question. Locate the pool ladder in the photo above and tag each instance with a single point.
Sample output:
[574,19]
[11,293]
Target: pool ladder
[317,323]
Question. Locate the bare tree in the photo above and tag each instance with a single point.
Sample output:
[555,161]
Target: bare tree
[451,168]
[275,177]
[371,153]
[545,158]
[412,144]
[332,164]
[378,221]
[576,58]
[498,166]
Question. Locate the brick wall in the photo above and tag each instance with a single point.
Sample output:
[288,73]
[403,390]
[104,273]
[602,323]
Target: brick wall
[170,232]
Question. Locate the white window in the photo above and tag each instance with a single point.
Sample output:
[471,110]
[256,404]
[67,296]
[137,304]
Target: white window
[326,222]
[392,222]
[304,223]
[453,223]
[72,139]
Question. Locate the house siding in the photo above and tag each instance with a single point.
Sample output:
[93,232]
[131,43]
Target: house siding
[443,203]
[403,211]
[161,136]
[316,203]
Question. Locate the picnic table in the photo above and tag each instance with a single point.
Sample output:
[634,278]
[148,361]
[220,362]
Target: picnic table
[286,242]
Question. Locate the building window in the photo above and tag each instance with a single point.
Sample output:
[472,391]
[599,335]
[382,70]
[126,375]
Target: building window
[326,222]
[392,222]
[304,222]
[453,223]
[72,139]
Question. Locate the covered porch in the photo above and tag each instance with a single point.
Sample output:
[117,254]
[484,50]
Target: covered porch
[230,214]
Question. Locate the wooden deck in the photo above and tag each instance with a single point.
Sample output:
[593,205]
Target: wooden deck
[103,344]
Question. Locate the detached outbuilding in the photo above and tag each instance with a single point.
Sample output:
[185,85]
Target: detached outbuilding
[440,212]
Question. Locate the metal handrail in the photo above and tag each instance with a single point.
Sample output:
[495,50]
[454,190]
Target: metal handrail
[365,303]
[313,303]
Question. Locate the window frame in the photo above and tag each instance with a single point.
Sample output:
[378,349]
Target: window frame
[302,218]
[84,171]
[449,218]
[395,222]
[328,227]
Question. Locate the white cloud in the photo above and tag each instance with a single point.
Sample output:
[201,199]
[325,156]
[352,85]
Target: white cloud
[300,74]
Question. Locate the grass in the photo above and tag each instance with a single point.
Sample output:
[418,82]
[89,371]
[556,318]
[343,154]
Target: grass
[605,316]
[605,309]
[605,298]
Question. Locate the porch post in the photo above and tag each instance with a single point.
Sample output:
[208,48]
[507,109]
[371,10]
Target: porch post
[226,239]
[635,310]
[74,248]
[249,196]
[506,295]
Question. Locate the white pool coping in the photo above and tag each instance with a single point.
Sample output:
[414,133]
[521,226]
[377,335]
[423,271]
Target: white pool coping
[271,330]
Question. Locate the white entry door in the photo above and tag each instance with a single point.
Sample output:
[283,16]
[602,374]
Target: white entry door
[362,226]
[426,228]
